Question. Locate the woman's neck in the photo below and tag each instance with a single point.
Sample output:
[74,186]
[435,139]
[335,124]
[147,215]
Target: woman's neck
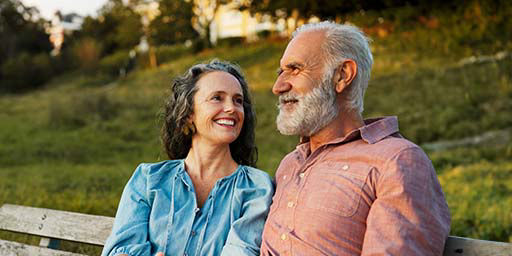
[205,160]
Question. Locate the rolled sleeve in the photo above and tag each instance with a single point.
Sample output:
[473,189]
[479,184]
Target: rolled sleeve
[130,231]
[409,215]
[244,237]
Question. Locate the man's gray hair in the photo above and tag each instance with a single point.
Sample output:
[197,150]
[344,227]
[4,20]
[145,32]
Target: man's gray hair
[346,42]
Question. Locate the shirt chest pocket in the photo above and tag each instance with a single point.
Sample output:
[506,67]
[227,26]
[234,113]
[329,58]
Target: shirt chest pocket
[336,187]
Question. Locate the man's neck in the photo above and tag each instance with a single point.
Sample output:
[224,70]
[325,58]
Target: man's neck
[339,127]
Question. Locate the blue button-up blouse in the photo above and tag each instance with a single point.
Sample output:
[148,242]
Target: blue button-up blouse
[158,212]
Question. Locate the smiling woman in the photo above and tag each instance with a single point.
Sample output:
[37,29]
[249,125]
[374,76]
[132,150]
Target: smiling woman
[207,199]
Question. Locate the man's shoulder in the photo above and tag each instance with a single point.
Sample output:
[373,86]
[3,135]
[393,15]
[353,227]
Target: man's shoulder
[383,150]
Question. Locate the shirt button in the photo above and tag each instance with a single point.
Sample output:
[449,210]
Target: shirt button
[284,177]
[345,167]
[302,175]
[290,204]
[193,233]
[283,237]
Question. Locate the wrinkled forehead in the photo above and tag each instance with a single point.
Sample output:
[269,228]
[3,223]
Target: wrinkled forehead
[305,47]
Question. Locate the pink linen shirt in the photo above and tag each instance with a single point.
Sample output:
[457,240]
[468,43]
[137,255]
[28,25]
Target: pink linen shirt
[370,193]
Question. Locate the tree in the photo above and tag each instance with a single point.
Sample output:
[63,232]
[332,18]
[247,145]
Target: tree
[174,24]
[21,30]
[325,9]
[117,27]
[24,53]
[205,11]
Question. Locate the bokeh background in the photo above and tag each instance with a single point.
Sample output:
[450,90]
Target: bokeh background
[81,97]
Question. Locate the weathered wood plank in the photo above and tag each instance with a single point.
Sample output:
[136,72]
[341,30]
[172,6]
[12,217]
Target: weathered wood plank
[9,248]
[461,246]
[78,227]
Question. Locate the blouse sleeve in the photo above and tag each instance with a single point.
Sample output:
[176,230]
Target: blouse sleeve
[130,231]
[244,237]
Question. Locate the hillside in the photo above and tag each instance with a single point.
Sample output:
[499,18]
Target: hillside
[73,144]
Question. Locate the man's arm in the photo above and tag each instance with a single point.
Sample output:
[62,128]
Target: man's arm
[410,215]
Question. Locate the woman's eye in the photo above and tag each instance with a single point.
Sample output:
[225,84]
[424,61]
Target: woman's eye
[239,101]
[216,98]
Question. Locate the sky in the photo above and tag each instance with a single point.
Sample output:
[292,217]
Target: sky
[83,7]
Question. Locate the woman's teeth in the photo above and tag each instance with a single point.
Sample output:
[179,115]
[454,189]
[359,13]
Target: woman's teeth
[225,122]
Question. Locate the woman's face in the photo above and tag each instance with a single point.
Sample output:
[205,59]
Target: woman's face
[218,109]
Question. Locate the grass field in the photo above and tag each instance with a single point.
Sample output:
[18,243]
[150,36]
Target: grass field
[73,144]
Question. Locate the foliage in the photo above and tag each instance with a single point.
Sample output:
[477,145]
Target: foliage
[115,64]
[479,196]
[168,53]
[304,9]
[86,53]
[205,12]
[117,27]
[174,24]
[19,30]
[24,59]
[24,72]
[78,110]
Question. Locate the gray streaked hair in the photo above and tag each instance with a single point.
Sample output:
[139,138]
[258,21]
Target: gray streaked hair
[346,42]
[180,105]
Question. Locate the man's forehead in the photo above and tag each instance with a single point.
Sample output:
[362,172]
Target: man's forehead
[304,46]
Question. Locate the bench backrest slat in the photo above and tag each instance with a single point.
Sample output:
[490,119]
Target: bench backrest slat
[461,246]
[78,227]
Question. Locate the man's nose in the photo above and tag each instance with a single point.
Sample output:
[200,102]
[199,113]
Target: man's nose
[281,86]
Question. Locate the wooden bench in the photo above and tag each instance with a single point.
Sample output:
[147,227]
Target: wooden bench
[53,226]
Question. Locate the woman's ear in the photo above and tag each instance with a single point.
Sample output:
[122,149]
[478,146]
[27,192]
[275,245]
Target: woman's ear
[345,74]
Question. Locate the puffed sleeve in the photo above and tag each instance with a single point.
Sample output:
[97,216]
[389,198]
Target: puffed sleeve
[244,237]
[410,215]
[130,231]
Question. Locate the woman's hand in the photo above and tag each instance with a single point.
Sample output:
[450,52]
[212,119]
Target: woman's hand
[159,254]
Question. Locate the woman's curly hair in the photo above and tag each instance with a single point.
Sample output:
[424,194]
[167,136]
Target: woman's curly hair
[180,105]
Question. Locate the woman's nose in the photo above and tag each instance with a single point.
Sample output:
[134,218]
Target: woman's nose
[229,107]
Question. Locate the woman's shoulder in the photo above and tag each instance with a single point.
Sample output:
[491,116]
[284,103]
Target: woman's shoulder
[256,176]
[167,166]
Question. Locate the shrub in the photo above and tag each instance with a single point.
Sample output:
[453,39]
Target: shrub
[115,64]
[87,53]
[25,72]
[82,109]
[166,53]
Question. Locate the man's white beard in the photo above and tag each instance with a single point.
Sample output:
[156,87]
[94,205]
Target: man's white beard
[312,112]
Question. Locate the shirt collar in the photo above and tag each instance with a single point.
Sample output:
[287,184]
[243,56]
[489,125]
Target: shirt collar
[374,130]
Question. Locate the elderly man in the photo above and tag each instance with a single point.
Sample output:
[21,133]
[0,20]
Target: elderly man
[352,186]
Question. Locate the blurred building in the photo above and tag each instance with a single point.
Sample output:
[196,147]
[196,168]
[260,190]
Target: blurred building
[229,22]
[61,25]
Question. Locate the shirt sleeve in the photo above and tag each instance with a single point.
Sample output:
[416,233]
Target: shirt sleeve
[409,215]
[130,231]
[244,237]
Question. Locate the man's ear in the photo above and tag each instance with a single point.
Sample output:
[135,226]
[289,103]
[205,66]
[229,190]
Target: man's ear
[345,74]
